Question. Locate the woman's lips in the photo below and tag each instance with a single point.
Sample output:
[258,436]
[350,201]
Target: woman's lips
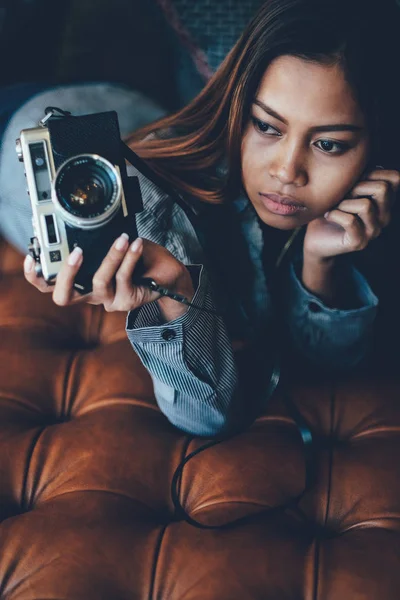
[280,205]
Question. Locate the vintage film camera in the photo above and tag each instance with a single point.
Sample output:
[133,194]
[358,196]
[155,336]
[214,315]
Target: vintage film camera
[79,190]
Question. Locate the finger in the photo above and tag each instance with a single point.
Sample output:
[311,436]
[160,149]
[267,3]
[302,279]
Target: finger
[64,292]
[103,280]
[354,237]
[381,193]
[392,176]
[366,210]
[32,277]
[125,288]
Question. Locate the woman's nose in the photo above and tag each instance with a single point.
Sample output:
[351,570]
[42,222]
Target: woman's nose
[288,166]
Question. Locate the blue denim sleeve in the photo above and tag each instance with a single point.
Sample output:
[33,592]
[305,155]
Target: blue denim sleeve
[190,361]
[333,338]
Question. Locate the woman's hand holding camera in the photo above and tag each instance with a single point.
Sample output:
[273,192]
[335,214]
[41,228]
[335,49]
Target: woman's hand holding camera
[349,227]
[113,282]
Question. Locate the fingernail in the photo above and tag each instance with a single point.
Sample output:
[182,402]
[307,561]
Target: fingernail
[75,256]
[28,263]
[136,245]
[121,241]
[326,215]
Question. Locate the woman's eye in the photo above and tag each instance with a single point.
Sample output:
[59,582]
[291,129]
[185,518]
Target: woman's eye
[331,147]
[264,127]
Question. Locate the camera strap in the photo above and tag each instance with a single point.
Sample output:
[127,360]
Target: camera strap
[144,168]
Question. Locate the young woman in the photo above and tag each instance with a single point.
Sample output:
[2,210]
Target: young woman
[290,150]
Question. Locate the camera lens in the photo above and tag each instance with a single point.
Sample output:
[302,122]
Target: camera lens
[88,187]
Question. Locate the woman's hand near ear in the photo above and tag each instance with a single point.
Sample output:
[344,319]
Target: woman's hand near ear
[347,228]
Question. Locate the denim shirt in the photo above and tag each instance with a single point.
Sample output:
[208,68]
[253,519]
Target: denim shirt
[191,359]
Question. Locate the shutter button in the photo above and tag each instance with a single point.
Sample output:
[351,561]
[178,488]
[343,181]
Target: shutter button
[168,334]
[314,307]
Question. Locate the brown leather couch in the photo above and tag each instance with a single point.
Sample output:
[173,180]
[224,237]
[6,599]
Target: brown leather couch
[86,462]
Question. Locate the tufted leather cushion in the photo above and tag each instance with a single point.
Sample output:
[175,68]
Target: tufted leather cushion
[86,461]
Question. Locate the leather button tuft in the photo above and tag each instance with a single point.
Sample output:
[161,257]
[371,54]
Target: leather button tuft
[314,307]
[168,335]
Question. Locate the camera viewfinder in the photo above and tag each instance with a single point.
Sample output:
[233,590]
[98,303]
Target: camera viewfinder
[41,171]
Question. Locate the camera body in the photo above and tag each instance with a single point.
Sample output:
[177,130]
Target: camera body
[79,191]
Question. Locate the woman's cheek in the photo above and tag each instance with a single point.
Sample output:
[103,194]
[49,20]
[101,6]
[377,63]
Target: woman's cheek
[335,184]
[349,172]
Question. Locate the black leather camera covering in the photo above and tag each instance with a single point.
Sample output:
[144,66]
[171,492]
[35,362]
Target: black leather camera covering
[96,134]
[90,134]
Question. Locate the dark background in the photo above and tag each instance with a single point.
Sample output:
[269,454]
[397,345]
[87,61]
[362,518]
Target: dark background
[166,53]
[64,41]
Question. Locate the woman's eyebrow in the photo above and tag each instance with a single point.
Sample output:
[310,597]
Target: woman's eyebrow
[317,128]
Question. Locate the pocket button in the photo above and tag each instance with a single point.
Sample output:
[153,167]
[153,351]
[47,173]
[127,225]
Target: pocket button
[168,335]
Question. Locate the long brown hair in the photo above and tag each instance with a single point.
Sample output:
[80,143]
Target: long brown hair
[207,134]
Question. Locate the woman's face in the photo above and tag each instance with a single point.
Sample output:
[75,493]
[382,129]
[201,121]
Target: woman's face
[306,143]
